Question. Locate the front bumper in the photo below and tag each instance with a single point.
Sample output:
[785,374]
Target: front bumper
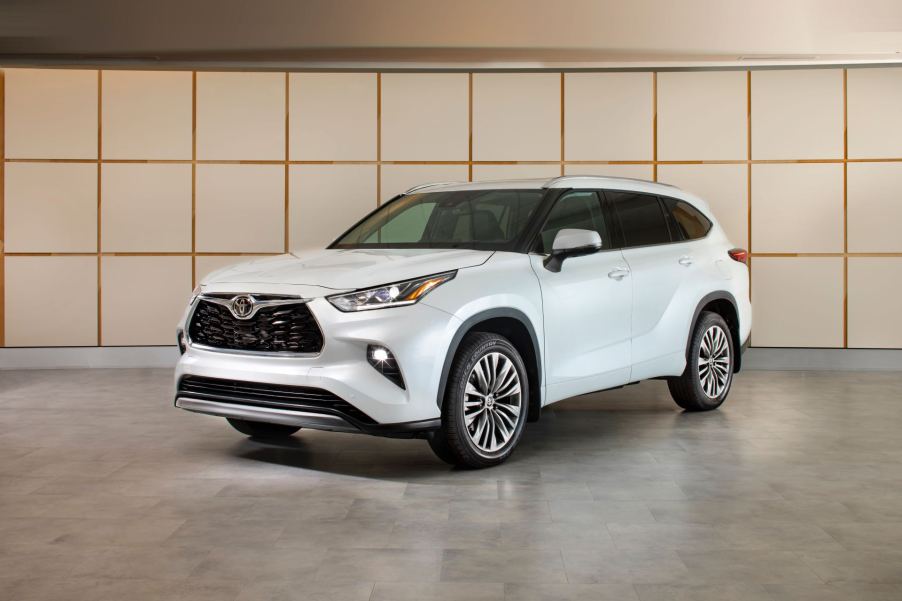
[418,336]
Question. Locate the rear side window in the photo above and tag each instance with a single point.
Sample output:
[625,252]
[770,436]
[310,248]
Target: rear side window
[641,218]
[689,221]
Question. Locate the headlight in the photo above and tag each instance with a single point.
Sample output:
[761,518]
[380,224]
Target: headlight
[194,294]
[390,295]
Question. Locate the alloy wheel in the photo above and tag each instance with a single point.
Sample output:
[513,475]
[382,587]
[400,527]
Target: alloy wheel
[714,365]
[492,402]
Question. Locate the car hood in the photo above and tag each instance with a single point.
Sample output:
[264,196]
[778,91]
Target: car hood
[344,269]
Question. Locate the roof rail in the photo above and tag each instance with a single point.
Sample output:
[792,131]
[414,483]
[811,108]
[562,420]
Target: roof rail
[563,178]
[422,186]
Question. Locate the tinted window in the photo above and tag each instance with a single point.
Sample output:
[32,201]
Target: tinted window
[641,218]
[487,219]
[575,210]
[689,221]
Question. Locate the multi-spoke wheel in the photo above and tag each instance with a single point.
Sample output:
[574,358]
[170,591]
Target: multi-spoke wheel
[706,380]
[714,361]
[492,402]
[485,404]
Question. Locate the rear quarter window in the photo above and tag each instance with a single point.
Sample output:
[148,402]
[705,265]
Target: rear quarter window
[689,221]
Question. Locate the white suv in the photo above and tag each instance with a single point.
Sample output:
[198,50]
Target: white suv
[455,312]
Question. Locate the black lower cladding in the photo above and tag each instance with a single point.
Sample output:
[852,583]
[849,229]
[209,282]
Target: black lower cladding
[298,398]
[280,329]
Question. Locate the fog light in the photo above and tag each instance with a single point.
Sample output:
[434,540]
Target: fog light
[385,363]
[182,341]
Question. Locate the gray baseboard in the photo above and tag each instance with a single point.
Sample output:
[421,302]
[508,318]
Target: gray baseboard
[823,359]
[80,357]
[781,359]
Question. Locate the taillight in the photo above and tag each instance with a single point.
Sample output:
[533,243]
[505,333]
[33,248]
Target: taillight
[739,254]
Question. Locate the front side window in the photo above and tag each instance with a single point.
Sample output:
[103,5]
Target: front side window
[690,222]
[575,210]
[641,217]
[481,219]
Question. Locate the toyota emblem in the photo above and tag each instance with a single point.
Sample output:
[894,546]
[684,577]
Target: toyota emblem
[242,306]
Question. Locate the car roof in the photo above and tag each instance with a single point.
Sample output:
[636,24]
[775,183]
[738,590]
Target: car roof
[591,182]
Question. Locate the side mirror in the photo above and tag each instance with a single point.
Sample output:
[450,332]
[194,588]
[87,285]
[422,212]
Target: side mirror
[571,243]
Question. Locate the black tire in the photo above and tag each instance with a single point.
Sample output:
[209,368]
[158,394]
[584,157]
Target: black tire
[262,430]
[688,390]
[452,443]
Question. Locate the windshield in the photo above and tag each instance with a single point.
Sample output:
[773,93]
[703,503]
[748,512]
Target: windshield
[479,219]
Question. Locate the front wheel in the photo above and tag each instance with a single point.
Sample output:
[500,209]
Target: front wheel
[706,381]
[262,430]
[486,403]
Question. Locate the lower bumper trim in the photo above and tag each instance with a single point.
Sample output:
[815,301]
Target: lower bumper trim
[304,419]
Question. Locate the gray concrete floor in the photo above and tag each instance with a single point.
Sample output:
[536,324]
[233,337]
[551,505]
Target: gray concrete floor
[793,491]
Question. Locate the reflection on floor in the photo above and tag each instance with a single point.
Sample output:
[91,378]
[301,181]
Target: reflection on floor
[792,491]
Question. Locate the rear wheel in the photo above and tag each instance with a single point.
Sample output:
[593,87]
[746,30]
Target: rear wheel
[262,430]
[486,403]
[706,381]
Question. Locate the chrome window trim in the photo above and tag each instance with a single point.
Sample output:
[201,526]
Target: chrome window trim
[288,300]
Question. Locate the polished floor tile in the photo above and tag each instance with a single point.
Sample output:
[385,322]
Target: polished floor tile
[789,492]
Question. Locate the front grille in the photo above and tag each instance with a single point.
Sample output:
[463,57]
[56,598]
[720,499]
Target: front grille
[299,398]
[278,329]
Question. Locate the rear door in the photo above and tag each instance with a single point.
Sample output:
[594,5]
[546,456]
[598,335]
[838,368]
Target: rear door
[658,271]
[586,304]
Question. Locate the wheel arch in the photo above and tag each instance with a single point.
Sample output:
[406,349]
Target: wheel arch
[724,304]
[516,327]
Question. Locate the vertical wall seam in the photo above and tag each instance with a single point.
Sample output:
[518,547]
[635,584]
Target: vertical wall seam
[845,209]
[563,122]
[378,139]
[193,179]
[2,208]
[470,127]
[748,173]
[654,125]
[285,218]
[99,207]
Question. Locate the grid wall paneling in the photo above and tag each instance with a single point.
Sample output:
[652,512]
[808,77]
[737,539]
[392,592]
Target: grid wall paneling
[125,188]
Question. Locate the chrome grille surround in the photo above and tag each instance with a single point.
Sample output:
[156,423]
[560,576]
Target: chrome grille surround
[279,325]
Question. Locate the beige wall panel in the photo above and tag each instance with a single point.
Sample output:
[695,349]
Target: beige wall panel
[146,207]
[633,171]
[328,199]
[874,99]
[241,116]
[240,208]
[494,172]
[875,287]
[143,298]
[797,302]
[723,187]
[146,115]
[51,114]
[425,117]
[206,264]
[797,208]
[516,116]
[36,312]
[398,178]
[332,116]
[875,207]
[797,114]
[51,207]
[608,116]
[702,116]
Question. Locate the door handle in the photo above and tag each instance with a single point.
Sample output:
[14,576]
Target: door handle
[685,261]
[618,273]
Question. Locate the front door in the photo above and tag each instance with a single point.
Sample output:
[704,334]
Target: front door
[586,304]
